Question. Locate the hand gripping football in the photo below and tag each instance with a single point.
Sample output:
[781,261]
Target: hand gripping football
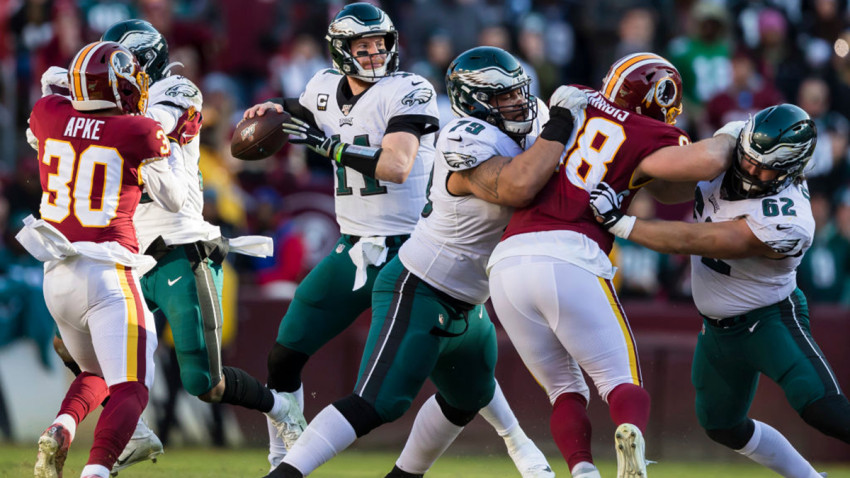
[259,137]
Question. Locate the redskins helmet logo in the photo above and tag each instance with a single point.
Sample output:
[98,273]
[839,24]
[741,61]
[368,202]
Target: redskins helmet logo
[122,64]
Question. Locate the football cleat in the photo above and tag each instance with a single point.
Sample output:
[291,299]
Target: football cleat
[530,461]
[631,462]
[290,424]
[143,445]
[52,451]
[585,469]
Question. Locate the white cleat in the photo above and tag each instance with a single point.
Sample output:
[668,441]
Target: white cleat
[631,462]
[53,447]
[585,469]
[143,445]
[291,423]
[530,461]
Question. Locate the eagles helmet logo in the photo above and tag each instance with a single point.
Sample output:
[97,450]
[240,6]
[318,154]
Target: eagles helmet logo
[419,95]
[459,160]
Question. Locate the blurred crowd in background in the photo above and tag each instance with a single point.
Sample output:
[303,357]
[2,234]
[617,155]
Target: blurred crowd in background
[736,57]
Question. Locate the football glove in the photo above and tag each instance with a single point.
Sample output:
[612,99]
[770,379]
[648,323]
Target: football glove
[605,203]
[188,127]
[302,133]
[732,128]
[570,98]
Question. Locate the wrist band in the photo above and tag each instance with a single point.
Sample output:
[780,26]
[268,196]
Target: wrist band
[623,227]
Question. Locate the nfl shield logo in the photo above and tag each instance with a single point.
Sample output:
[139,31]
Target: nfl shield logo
[346,109]
[441,319]
[340,248]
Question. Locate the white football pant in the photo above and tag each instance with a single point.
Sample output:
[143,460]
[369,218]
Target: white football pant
[559,317]
[103,319]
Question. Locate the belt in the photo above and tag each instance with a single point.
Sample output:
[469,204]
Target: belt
[727,322]
[392,241]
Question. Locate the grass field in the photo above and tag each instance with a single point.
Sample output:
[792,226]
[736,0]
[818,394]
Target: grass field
[17,462]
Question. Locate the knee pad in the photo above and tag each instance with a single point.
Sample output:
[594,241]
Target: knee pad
[361,414]
[830,415]
[285,367]
[455,415]
[736,437]
[195,382]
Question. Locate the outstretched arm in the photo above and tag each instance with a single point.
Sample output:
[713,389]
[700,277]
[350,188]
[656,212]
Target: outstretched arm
[717,240]
[700,161]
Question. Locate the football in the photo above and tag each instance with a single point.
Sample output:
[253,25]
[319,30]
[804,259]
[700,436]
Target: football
[259,137]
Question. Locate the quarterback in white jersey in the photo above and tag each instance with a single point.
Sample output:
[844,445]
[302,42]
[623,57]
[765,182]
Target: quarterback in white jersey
[428,318]
[754,223]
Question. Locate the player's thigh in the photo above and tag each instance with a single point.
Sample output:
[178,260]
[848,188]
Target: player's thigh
[189,295]
[465,370]
[66,293]
[122,327]
[782,347]
[325,304]
[401,350]
[725,384]
[516,301]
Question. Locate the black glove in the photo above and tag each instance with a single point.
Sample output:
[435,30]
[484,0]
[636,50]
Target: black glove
[302,133]
[559,127]
[605,203]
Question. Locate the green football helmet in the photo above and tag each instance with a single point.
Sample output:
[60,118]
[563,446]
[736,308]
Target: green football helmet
[146,44]
[780,138]
[359,20]
[479,74]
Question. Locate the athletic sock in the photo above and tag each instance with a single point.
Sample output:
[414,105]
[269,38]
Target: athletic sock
[329,433]
[432,433]
[117,422]
[68,423]
[499,414]
[242,389]
[86,392]
[629,403]
[97,470]
[571,428]
[770,448]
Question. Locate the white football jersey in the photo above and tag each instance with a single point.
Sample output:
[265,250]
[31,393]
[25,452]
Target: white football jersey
[169,99]
[453,240]
[783,221]
[366,206]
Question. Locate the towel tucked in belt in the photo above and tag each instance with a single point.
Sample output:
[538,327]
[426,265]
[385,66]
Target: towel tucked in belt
[367,251]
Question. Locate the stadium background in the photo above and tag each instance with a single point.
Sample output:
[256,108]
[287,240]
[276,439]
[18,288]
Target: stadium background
[736,57]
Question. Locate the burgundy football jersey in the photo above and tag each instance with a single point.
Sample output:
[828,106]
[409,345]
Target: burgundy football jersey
[89,168]
[609,146]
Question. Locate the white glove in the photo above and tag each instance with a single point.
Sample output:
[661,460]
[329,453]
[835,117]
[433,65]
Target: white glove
[732,128]
[570,98]
[54,77]
[605,203]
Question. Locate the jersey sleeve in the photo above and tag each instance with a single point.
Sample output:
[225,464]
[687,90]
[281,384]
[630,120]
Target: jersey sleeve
[789,238]
[413,104]
[176,91]
[152,141]
[466,143]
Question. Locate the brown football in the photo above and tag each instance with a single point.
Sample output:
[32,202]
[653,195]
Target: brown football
[259,137]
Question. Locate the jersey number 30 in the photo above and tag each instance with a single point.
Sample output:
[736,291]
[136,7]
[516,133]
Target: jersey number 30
[95,190]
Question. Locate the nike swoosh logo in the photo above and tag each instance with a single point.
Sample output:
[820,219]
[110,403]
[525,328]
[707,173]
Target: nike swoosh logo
[454,139]
[415,83]
[120,462]
[754,326]
[172,282]
[783,227]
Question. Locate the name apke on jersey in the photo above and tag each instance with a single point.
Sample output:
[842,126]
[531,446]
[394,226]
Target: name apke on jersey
[783,221]
[89,127]
[381,208]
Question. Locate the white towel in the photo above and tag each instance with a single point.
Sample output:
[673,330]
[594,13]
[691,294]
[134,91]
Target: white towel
[257,246]
[49,245]
[368,251]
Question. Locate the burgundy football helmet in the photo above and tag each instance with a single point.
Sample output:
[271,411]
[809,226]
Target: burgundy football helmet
[105,74]
[646,84]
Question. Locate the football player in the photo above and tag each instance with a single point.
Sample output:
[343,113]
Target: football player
[377,125]
[428,318]
[550,276]
[186,283]
[754,223]
[97,155]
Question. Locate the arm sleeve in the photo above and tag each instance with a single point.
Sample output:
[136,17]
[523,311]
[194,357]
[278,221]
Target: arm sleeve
[463,148]
[790,241]
[164,179]
[414,107]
